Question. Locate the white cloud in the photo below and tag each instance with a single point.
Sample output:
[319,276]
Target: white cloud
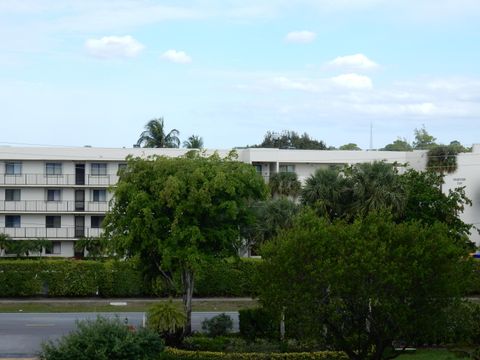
[113,47]
[179,57]
[352,81]
[356,61]
[302,37]
[289,84]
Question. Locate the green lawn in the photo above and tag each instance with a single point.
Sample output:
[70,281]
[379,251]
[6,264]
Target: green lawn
[429,354]
[103,306]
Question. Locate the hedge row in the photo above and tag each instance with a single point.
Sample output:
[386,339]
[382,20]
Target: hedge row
[174,354]
[71,278]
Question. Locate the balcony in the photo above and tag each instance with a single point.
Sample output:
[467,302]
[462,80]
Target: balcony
[57,180]
[53,206]
[49,233]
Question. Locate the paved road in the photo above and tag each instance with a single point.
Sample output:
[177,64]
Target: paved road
[22,334]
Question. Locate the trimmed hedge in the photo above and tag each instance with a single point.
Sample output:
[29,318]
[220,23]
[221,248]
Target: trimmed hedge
[174,354]
[110,278]
[258,323]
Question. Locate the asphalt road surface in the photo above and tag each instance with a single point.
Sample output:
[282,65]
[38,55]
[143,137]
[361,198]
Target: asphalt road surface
[22,334]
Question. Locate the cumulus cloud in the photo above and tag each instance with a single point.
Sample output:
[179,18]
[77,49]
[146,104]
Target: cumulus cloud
[301,37]
[356,61]
[352,81]
[179,57]
[114,47]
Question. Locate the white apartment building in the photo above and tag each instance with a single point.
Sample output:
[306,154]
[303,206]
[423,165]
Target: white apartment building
[61,194]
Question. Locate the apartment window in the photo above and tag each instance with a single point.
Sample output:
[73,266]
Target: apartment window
[96,222]
[53,222]
[258,168]
[56,248]
[98,169]
[287,168]
[12,194]
[13,168]
[53,168]
[99,195]
[12,221]
[54,194]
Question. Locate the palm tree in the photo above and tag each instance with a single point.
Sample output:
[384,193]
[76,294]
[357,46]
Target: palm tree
[327,192]
[376,186]
[442,159]
[155,136]
[284,184]
[193,142]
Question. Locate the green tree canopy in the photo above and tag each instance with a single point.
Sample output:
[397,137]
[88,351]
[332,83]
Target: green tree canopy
[360,286]
[290,140]
[398,145]
[155,135]
[428,204]
[423,140]
[174,212]
[349,146]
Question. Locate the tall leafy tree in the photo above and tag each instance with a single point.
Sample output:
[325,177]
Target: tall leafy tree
[173,213]
[193,142]
[398,145]
[360,286]
[155,135]
[427,203]
[290,140]
[423,140]
[349,146]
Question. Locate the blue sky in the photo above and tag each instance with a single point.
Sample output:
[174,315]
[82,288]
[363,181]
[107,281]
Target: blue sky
[78,72]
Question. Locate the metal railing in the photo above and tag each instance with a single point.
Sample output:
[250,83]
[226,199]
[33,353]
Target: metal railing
[57,180]
[54,206]
[50,233]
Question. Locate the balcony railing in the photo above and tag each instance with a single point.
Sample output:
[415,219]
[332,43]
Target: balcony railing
[57,180]
[50,233]
[53,206]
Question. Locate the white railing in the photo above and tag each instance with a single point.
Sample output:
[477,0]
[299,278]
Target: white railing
[57,180]
[53,206]
[50,233]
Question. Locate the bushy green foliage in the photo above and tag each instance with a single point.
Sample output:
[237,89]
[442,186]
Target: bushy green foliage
[372,281]
[121,279]
[200,342]
[104,339]
[176,354]
[111,278]
[258,323]
[231,277]
[219,325]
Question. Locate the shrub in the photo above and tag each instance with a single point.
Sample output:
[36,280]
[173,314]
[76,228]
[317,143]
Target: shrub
[168,321]
[104,339]
[258,323]
[219,325]
[174,354]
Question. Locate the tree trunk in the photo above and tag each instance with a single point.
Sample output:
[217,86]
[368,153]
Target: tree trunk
[187,282]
